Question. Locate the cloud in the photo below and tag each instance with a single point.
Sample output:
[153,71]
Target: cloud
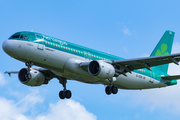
[159,99]
[2,80]
[63,109]
[9,110]
[67,110]
[126,31]
[30,100]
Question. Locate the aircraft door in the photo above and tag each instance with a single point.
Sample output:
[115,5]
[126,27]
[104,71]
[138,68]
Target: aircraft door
[40,41]
[40,46]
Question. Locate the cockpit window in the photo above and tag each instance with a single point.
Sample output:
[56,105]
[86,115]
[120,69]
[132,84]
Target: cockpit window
[15,36]
[24,37]
[38,36]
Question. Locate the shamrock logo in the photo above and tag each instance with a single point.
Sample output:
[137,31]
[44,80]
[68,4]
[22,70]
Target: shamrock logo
[162,51]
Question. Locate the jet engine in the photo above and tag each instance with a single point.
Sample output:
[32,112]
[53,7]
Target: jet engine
[101,69]
[32,78]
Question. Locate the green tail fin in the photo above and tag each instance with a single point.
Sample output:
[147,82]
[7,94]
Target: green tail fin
[164,47]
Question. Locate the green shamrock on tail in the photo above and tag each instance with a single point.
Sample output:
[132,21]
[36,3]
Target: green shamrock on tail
[162,51]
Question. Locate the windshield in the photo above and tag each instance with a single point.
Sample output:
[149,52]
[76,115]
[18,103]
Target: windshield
[15,36]
[26,36]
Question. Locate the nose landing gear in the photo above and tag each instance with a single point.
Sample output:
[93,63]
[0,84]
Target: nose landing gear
[63,93]
[29,65]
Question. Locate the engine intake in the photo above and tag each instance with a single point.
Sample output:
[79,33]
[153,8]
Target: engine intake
[101,69]
[32,78]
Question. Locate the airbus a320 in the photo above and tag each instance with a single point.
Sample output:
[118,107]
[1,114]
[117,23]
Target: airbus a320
[67,61]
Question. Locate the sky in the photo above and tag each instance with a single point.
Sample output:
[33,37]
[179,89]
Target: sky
[128,29]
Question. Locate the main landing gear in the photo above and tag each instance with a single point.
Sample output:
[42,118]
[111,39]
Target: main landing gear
[111,88]
[64,93]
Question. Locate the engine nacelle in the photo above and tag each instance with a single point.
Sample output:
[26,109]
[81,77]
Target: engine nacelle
[101,69]
[32,78]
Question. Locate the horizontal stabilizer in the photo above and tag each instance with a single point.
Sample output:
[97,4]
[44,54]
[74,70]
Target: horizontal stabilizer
[174,77]
[11,72]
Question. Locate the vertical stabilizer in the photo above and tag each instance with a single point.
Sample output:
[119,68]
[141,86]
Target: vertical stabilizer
[164,47]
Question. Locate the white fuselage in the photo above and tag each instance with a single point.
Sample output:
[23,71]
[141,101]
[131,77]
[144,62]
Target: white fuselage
[67,65]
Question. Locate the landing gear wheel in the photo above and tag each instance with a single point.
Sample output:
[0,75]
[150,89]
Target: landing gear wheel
[108,90]
[111,89]
[65,94]
[114,89]
[62,94]
[68,94]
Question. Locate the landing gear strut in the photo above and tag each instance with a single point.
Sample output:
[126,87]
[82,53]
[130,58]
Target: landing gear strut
[64,93]
[29,65]
[111,88]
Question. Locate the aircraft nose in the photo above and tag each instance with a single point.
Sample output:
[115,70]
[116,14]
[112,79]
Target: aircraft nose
[8,46]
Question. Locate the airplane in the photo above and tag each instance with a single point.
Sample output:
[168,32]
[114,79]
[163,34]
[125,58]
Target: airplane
[68,61]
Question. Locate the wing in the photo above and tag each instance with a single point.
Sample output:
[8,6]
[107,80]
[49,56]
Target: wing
[46,72]
[128,65]
[146,62]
